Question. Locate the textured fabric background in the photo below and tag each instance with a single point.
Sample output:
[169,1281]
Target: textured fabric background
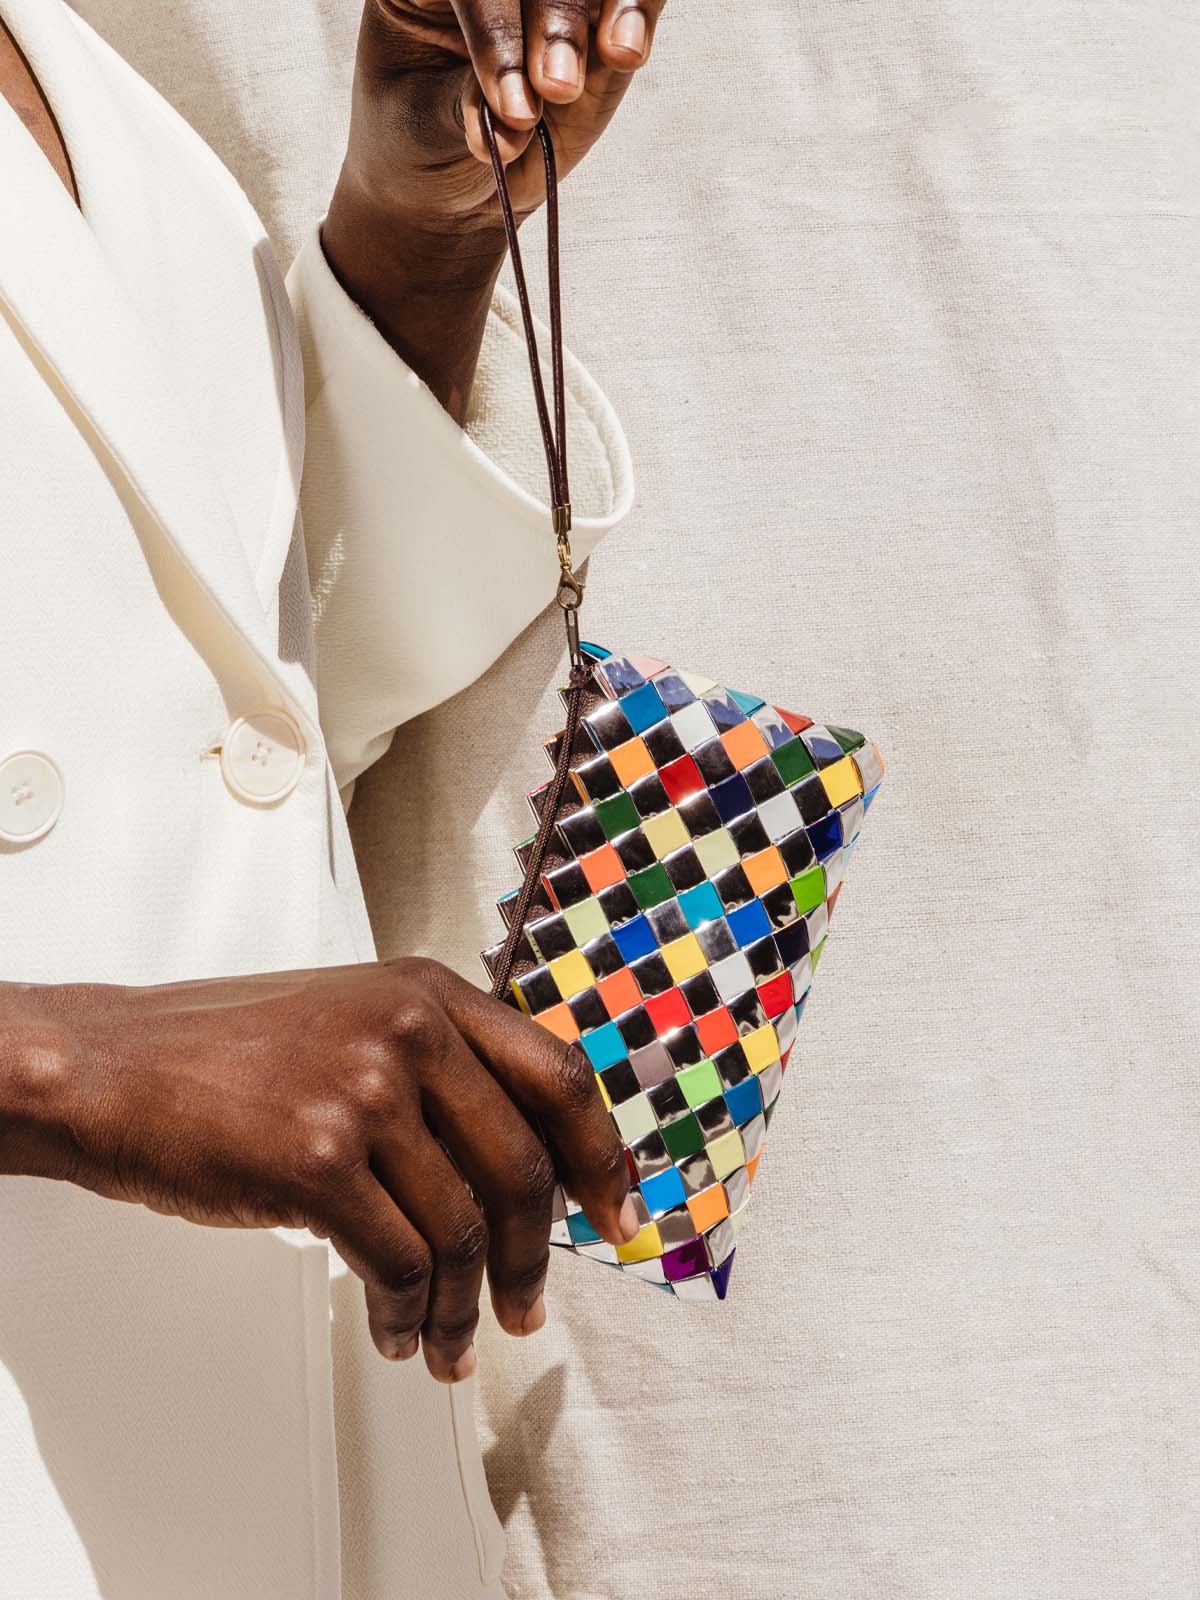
[899,306]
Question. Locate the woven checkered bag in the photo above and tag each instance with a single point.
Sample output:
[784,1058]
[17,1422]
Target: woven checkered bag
[683,901]
[689,853]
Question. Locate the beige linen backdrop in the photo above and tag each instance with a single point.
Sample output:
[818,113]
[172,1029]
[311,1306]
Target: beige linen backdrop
[899,303]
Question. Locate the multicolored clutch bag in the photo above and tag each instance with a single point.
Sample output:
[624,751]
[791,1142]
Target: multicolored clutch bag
[676,898]
[683,906]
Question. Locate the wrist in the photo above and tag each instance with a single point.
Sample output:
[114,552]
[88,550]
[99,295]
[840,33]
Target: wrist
[38,1081]
[384,243]
[426,283]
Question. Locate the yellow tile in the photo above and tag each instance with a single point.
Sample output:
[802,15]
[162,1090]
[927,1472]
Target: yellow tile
[666,833]
[684,957]
[761,1047]
[604,1094]
[645,1247]
[586,920]
[727,1153]
[841,781]
[519,997]
[571,973]
[716,852]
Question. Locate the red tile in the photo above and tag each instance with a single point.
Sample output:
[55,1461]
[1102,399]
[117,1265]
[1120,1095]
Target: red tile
[777,995]
[681,778]
[668,1010]
[795,723]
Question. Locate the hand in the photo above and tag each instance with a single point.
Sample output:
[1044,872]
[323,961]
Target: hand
[416,144]
[359,1102]
[414,231]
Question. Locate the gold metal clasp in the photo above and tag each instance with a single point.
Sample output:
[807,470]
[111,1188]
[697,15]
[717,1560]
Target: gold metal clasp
[570,590]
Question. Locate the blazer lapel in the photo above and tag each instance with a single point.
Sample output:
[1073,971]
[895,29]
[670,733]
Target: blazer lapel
[75,314]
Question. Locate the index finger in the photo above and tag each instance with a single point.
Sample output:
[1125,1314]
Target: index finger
[556,1084]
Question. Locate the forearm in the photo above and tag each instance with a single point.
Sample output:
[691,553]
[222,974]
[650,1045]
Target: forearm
[427,291]
[34,1080]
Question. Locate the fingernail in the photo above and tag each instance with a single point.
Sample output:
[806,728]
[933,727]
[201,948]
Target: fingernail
[464,1366]
[404,1352]
[515,103]
[535,1317]
[561,62]
[629,1224]
[629,31]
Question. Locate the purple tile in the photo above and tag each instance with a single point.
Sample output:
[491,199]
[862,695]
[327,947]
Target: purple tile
[687,1261]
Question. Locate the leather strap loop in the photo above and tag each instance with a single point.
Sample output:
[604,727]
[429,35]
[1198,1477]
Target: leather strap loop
[570,588]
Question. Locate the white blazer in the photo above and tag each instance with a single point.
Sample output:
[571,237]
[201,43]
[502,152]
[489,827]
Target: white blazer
[176,1420]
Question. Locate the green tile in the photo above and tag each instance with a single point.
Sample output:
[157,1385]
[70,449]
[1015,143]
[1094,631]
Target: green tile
[699,1084]
[793,761]
[815,955]
[809,889]
[651,886]
[847,738]
[683,1137]
[616,815]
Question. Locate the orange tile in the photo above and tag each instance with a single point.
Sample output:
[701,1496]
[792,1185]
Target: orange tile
[752,1166]
[560,1022]
[708,1208]
[744,745]
[619,992]
[832,901]
[765,870]
[631,761]
[602,868]
[715,1031]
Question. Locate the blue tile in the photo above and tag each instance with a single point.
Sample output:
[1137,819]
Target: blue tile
[663,1191]
[604,1046]
[643,707]
[750,703]
[701,904]
[744,1100]
[749,922]
[826,836]
[581,1230]
[732,798]
[635,939]
[720,1275]
[792,942]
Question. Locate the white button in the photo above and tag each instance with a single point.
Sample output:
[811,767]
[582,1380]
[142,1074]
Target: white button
[263,756]
[31,796]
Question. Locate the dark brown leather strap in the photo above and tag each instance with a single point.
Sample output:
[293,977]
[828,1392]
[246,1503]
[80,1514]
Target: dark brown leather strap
[555,442]
[554,438]
[570,589]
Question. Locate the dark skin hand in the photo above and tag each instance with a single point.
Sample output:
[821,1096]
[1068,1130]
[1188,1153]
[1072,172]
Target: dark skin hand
[384,1106]
[414,230]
